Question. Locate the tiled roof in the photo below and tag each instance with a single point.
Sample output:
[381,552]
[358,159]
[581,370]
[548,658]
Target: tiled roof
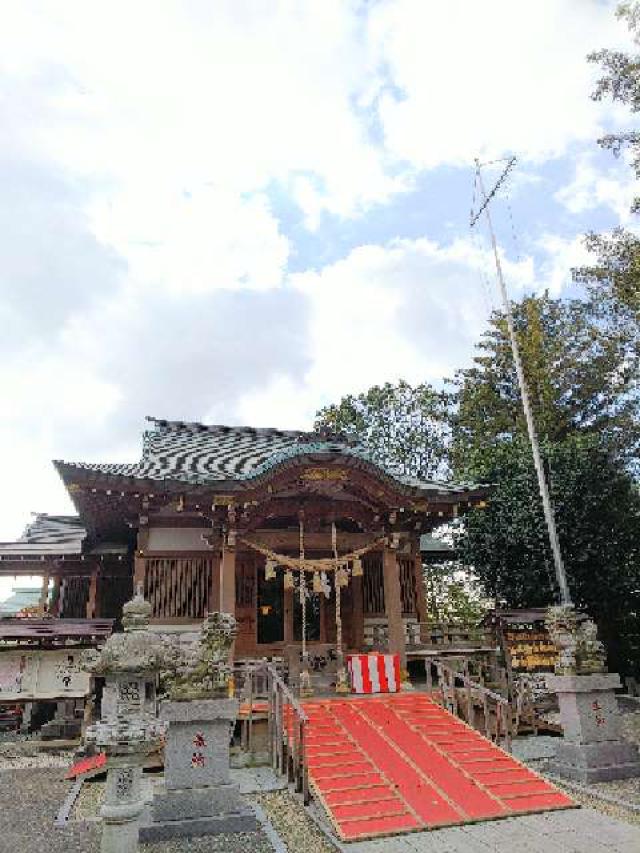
[197,453]
[60,534]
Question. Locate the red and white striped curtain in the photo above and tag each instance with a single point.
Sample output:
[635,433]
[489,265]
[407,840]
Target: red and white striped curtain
[374,673]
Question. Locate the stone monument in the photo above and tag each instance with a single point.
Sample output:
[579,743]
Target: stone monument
[197,797]
[128,730]
[592,749]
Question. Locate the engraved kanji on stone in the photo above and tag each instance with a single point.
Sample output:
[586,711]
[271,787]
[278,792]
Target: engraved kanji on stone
[124,783]
[197,759]
[198,741]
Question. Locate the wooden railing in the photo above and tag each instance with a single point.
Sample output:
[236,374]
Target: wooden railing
[496,710]
[420,634]
[257,682]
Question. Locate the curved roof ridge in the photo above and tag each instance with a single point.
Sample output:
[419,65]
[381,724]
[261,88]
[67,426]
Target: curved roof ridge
[225,428]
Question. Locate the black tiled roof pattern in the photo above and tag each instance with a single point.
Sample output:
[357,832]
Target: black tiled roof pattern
[53,530]
[47,534]
[197,453]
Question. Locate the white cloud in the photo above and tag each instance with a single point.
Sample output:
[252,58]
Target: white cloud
[487,79]
[592,187]
[411,309]
[192,242]
[563,254]
[142,259]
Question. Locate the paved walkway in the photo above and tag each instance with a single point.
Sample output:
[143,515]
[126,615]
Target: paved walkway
[571,831]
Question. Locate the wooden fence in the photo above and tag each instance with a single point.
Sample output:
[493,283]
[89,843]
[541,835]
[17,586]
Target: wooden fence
[464,697]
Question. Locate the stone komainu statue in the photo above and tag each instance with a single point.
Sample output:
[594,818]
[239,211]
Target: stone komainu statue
[580,652]
[202,670]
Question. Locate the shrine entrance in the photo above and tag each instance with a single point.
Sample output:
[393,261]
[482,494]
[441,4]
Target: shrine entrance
[270,606]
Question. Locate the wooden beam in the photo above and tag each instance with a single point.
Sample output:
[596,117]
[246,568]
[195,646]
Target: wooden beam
[393,605]
[289,540]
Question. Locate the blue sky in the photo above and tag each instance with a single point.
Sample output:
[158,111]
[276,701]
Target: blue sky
[238,212]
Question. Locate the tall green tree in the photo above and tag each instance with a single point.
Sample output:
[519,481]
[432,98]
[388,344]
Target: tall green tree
[404,427]
[582,372]
[598,517]
[614,277]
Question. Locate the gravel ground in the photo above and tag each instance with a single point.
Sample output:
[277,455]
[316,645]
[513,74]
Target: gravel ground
[30,801]
[294,826]
[88,801]
[22,754]
[625,789]
[609,809]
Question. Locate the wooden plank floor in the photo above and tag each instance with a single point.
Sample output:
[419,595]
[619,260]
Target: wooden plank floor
[400,763]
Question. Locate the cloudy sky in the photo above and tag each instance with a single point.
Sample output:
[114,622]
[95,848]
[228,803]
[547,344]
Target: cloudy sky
[238,211]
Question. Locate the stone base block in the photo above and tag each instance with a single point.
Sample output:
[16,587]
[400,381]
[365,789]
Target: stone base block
[192,803]
[596,762]
[152,832]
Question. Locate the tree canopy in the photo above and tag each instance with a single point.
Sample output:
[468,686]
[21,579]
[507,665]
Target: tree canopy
[405,427]
[581,359]
[597,508]
[582,372]
[615,275]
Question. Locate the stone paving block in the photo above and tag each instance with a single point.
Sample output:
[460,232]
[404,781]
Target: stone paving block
[453,839]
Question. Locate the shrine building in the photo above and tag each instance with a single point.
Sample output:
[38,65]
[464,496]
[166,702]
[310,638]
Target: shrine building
[293,532]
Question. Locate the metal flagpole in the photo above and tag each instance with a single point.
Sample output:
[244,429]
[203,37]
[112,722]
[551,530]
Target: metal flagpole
[565,595]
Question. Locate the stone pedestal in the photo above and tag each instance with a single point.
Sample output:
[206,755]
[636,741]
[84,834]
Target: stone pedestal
[592,749]
[197,797]
[123,806]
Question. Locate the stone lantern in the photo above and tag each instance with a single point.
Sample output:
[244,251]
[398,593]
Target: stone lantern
[198,797]
[129,729]
[592,749]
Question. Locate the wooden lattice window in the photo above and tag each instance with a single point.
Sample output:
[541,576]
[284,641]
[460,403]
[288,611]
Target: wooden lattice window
[178,588]
[407,585]
[372,584]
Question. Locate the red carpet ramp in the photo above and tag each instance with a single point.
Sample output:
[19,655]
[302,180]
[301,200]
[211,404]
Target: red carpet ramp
[400,763]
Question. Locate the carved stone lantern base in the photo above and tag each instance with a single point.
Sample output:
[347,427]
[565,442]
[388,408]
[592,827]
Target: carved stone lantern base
[123,805]
[592,749]
[197,797]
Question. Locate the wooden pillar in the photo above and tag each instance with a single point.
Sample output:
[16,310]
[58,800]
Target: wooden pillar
[139,561]
[92,607]
[393,605]
[421,594]
[214,593]
[228,580]
[288,616]
[44,595]
[357,614]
